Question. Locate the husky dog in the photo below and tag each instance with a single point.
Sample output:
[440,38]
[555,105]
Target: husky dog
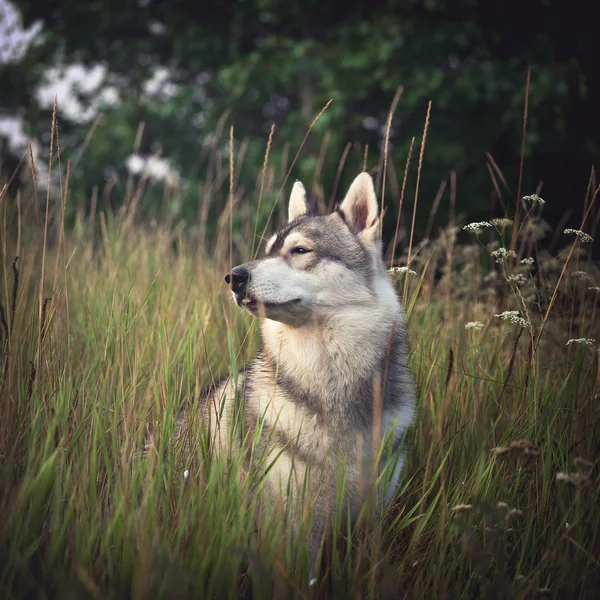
[331,381]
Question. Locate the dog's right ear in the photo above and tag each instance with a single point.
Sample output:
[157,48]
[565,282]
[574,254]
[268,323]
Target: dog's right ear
[298,205]
[360,210]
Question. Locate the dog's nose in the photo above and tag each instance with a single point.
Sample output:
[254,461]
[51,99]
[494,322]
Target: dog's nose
[238,279]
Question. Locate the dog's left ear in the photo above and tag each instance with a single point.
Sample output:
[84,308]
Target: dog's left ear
[360,209]
[298,205]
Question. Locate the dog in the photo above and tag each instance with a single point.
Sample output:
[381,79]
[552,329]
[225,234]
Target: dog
[331,382]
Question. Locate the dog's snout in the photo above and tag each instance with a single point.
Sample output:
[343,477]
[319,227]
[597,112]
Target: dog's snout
[238,279]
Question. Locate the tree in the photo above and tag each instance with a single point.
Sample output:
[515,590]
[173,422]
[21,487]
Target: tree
[272,62]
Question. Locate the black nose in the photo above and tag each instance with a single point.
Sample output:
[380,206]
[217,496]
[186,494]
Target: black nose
[238,279]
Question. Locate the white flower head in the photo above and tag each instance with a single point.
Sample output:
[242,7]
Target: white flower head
[502,254]
[501,223]
[582,342]
[402,271]
[518,279]
[528,262]
[594,289]
[477,227]
[474,325]
[534,200]
[581,275]
[580,236]
[512,316]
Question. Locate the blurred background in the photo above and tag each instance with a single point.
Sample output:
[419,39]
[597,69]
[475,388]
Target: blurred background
[153,87]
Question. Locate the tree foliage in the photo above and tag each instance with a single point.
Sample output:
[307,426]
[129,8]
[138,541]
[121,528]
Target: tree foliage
[263,62]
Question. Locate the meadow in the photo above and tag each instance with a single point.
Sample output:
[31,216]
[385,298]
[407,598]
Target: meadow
[110,324]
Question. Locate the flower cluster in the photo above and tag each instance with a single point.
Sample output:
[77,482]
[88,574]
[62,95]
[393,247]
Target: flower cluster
[502,254]
[528,261]
[582,342]
[402,270]
[514,317]
[501,223]
[582,275]
[534,200]
[581,236]
[518,279]
[477,227]
[475,325]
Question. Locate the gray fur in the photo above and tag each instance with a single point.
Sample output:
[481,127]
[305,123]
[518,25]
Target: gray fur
[332,376]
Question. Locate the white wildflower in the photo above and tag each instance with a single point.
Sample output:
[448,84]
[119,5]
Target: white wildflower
[594,289]
[582,342]
[502,254]
[514,317]
[582,275]
[402,270]
[517,279]
[475,325]
[534,200]
[581,236]
[502,223]
[528,261]
[508,314]
[477,227]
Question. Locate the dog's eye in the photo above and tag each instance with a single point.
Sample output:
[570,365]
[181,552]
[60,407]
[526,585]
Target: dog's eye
[300,250]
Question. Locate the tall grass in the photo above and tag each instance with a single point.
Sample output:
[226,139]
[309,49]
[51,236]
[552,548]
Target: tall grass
[109,327]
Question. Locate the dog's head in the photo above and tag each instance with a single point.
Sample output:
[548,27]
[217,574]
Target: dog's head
[316,264]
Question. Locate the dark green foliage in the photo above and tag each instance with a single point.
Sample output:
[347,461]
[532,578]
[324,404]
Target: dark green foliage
[269,62]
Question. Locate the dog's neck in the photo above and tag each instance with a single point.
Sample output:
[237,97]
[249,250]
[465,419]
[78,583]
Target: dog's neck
[336,358]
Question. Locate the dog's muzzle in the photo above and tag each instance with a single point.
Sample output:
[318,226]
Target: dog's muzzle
[238,279]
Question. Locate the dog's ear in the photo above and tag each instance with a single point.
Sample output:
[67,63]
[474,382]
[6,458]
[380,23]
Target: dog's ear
[298,205]
[360,210]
